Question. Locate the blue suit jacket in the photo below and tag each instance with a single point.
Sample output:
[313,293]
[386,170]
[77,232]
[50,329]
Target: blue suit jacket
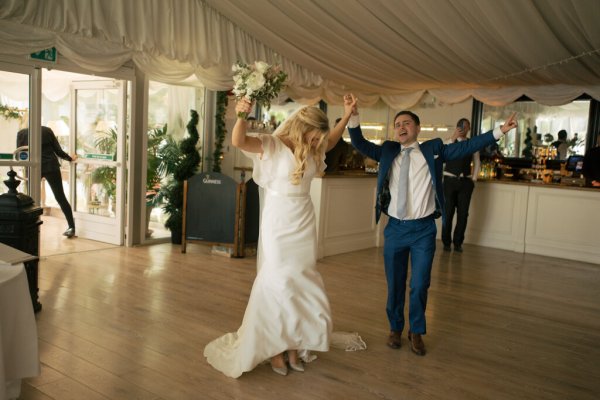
[435,152]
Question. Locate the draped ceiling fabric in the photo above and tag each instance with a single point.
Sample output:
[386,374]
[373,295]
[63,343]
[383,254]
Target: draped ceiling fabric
[393,50]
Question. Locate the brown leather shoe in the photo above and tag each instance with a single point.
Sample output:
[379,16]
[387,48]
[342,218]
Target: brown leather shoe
[416,343]
[394,339]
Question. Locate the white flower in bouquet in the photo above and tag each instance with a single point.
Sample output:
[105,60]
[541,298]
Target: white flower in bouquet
[259,82]
[255,82]
[261,66]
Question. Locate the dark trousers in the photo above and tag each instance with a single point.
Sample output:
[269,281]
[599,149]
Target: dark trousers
[54,179]
[414,238]
[457,192]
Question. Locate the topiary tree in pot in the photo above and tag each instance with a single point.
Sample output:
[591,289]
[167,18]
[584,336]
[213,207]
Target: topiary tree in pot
[528,150]
[180,161]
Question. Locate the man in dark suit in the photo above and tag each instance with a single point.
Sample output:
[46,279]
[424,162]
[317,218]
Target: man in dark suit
[459,183]
[412,200]
[561,145]
[591,165]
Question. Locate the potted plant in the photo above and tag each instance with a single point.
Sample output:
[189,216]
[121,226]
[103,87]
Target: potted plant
[178,161]
[528,150]
[106,142]
[154,175]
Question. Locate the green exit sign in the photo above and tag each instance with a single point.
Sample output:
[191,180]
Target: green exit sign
[105,157]
[48,55]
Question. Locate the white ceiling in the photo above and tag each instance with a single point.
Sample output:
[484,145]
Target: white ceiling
[396,50]
[397,45]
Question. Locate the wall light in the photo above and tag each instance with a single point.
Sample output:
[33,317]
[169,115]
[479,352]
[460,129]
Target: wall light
[373,127]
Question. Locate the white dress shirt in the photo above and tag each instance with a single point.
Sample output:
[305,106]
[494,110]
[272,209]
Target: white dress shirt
[421,193]
[476,162]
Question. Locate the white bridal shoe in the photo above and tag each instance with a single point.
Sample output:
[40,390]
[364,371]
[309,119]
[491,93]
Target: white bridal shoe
[280,370]
[297,367]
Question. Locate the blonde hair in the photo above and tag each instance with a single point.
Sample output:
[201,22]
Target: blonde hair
[296,128]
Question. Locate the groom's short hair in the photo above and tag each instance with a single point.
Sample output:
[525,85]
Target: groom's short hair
[411,114]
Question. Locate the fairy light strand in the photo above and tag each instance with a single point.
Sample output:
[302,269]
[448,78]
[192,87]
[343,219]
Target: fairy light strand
[533,69]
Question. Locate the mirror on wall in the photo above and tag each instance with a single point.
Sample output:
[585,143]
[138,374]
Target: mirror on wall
[540,126]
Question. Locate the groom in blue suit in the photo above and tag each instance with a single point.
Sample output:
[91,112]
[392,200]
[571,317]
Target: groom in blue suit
[410,192]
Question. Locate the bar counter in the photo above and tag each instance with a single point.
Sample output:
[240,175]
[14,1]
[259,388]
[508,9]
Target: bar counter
[345,210]
[547,219]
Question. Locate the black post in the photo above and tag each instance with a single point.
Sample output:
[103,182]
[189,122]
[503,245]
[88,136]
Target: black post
[20,228]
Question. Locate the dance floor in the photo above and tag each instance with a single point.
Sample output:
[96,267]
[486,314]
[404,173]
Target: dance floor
[131,323]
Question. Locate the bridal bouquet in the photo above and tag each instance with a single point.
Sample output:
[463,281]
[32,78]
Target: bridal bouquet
[258,82]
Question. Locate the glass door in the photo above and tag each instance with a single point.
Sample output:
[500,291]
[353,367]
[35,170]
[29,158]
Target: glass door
[19,89]
[99,137]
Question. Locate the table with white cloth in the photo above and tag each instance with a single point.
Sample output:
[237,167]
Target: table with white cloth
[19,356]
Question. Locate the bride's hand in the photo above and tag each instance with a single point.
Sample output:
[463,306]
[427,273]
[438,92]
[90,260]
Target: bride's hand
[243,106]
[350,104]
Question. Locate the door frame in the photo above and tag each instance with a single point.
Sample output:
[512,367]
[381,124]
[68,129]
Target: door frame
[137,86]
[96,227]
[35,137]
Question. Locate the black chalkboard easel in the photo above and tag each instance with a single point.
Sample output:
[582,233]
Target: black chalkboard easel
[217,210]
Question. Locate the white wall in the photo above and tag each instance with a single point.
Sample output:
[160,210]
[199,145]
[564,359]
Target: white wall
[433,113]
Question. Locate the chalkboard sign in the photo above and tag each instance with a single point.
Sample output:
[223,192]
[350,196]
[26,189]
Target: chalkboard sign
[211,206]
[219,210]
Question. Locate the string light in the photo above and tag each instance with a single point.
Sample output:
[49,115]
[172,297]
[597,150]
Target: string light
[533,69]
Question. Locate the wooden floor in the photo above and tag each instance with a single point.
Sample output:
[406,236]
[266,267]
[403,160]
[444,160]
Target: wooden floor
[131,323]
[52,241]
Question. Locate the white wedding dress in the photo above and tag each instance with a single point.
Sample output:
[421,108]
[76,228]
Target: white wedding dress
[288,307]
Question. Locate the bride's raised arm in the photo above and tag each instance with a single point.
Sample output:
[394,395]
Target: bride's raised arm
[239,138]
[338,130]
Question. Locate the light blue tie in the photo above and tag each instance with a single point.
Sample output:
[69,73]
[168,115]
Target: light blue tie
[403,182]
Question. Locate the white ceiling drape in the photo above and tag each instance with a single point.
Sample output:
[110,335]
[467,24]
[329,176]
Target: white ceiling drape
[393,50]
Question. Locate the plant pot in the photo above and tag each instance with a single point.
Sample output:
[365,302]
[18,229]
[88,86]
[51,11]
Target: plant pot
[149,208]
[176,237]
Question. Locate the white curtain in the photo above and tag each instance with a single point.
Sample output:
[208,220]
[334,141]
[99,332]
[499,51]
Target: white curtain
[396,50]
[181,101]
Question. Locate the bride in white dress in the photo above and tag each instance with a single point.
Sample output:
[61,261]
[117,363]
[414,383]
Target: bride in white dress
[288,310]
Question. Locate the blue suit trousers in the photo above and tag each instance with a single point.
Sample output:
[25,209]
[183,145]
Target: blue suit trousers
[414,238]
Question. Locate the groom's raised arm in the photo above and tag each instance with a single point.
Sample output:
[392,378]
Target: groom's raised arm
[461,149]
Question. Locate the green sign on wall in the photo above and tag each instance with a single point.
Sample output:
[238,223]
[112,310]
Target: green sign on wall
[106,157]
[48,55]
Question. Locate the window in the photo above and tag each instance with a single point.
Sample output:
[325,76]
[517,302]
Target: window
[168,114]
[541,124]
